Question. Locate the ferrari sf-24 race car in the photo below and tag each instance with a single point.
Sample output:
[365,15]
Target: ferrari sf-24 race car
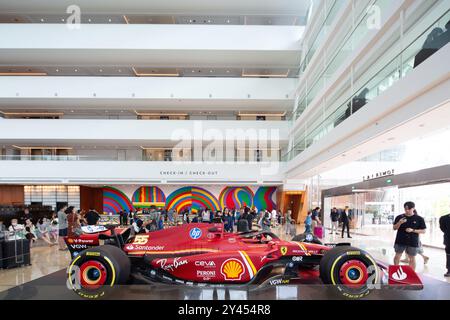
[199,253]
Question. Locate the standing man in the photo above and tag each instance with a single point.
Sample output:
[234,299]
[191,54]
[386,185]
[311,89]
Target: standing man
[334,216]
[273,218]
[288,221]
[345,219]
[444,224]
[62,227]
[408,226]
[315,218]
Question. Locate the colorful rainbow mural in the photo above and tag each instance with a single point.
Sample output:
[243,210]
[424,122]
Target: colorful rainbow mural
[145,197]
[263,198]
[115,201]
[192,197]
[236,197]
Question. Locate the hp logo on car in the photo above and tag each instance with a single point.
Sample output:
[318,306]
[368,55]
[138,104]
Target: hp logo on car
[195,233]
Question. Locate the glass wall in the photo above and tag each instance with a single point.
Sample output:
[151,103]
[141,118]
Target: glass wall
[48,195]
[398,56]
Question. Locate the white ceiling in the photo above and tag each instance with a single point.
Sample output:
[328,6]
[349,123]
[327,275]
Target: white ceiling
[149,71]
[285,20]
[191,7]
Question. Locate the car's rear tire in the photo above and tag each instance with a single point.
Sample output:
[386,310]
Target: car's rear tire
[353,270]
[307,237]
[95,271]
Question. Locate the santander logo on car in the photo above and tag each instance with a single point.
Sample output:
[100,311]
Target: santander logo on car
[399,275]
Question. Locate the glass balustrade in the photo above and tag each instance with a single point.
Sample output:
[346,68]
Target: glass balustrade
[393,65]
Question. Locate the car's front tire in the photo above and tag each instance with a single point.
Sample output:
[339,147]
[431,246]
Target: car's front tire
[353,270]
[95,271]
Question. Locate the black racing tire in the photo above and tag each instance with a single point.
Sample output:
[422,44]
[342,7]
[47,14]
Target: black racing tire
[95,271]
[303,238]
[352,270]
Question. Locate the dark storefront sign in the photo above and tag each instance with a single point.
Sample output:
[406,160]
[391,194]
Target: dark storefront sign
[377,175]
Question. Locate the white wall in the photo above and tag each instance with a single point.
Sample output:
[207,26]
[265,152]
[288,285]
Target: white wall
[144,93]
[137,132]
[165,45]
[139,172]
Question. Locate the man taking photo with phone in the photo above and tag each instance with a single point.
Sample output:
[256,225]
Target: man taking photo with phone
[408,226]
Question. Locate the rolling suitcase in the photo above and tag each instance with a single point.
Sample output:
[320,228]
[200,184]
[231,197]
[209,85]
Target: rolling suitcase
[16,253]
[319,231]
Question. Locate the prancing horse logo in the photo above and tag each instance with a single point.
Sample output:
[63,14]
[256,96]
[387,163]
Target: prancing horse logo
[283,250]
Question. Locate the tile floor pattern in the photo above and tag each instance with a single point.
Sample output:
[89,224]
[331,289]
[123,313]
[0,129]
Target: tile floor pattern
[46,260]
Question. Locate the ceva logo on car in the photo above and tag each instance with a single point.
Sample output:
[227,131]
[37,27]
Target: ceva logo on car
[195,233]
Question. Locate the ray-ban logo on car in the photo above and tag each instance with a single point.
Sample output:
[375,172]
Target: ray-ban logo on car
[195,233]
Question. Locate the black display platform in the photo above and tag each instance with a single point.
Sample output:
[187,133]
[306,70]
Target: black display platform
[53,287]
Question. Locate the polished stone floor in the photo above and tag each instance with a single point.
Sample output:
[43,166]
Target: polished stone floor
[46,260]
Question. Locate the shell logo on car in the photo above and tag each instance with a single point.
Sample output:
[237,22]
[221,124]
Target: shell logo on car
[232,269]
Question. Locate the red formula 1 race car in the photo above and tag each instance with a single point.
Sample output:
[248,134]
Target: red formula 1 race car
[200,253]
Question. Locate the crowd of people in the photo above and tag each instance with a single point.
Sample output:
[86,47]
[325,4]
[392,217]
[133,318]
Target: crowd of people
[157,218]
[51,228]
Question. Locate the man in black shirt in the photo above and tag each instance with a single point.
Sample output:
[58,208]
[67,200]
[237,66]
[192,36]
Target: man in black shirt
[408,226]
[334,216]
[92,217]
[444,224]
[345,219]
